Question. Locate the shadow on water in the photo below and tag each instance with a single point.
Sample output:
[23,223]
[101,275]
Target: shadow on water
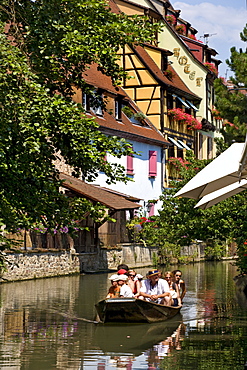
[134,338]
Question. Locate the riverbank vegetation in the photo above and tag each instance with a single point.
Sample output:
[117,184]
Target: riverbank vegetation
[179,224]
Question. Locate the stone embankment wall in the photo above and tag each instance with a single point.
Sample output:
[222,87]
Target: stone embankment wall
[32,265]
[134,256]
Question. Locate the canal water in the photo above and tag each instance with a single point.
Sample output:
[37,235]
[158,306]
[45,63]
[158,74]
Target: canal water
[48,324]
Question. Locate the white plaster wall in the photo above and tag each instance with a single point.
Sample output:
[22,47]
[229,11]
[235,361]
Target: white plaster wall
[142,187]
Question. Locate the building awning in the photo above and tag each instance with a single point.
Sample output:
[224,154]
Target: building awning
[175,143]
[97,194]
[184,145]
[182,101]
[192,106]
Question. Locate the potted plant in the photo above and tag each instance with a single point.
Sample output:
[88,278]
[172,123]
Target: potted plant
[181,29]
[168,73]
[127,111]
[139,116]
[211,67]
[171,19]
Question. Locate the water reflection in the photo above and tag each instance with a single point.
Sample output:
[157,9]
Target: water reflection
[134,338]
[42,326]
[128,352]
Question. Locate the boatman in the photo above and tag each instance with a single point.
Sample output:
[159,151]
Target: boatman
[155,289]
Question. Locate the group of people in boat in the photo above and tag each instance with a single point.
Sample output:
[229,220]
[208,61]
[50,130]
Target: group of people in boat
[167,289]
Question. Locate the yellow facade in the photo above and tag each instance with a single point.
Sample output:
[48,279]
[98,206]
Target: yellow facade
[129,9]
[155,55]
[144,89]
[188,68]
[146,92]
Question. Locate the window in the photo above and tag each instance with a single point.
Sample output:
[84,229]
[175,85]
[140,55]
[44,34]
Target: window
[179,103]
[169,101]
[189,111]
[200,146]
[180,153]
[210,148]
[85,102]
[118,109]
[171,151]
[152,163]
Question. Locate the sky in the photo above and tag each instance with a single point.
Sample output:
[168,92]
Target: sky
[222,19]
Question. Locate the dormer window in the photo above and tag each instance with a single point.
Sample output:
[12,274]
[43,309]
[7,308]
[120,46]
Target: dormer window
[96,104]
[118,109]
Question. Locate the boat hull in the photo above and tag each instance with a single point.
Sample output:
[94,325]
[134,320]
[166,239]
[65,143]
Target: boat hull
[131,310]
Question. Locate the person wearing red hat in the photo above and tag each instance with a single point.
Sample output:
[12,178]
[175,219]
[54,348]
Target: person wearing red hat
[122,272]
[123,266]
[155,289]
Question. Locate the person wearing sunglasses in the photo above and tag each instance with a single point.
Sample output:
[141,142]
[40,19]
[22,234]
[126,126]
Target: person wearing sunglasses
[134,283]
[174,291]
[180,283]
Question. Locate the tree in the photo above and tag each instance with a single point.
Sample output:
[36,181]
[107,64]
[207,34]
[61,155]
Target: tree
[179,223]
[44,49]
[232,103]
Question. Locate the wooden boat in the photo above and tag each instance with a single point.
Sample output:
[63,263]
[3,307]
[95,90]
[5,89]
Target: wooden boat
[130,310]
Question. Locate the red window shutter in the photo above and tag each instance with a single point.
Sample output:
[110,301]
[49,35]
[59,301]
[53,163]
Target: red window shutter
[152,163]
[130,169]
[151,210]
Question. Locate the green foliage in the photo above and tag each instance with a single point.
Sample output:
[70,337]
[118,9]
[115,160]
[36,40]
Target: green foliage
[232,104]
[61,39]
[155,259]
[221,145]
[45,50]
[214,250]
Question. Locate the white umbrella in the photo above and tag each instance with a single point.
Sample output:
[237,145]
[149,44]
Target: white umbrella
[221,172]
[221,194]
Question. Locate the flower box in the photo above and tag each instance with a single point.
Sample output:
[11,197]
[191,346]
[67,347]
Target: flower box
[171,19]
[185,118]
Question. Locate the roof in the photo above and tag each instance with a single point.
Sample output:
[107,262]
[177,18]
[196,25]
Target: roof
[175,83]
[129,130]
[93,76]
[143,133]
[126,196]
[97,194]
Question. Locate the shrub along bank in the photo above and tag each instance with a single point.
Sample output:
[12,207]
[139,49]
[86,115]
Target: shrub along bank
[179,224]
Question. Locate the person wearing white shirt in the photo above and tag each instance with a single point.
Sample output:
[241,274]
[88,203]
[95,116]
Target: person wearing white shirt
[155,289]
[125,290]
